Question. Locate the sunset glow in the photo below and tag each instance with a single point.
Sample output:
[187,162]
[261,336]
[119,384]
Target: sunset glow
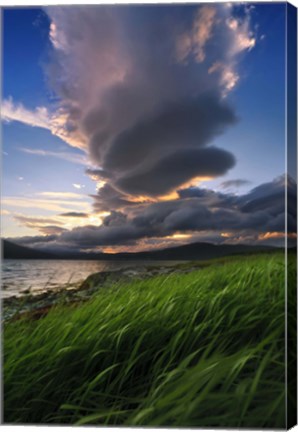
[128,154]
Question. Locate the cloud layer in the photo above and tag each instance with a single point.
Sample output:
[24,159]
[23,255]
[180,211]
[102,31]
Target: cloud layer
[144,86]
[143,90]
[42,117]
[258,216]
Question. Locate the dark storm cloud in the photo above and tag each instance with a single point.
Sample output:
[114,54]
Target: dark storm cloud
[197,192]
[191,124]
[96,174]
[91,236]
[195,211]
[109,199]
[115,218]
[267,198]
[234,183]
[203,213]
[177,168]
[213,200]
[34,240]
[194,215]
[74,214]
[162,152]
[209,197]
[271,197]
[140,85]
[51,229]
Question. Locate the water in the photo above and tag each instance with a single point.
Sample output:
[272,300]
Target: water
[19,276]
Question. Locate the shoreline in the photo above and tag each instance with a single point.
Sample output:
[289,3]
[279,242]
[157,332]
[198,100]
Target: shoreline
[35,306]
[137,346]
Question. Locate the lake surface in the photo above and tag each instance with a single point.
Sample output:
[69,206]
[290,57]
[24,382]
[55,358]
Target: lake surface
[18,276]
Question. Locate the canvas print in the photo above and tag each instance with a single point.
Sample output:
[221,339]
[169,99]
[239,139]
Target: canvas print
[149,215]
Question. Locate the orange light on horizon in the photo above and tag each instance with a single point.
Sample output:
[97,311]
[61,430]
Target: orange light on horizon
[173,195]
[111,250]
[178,236]
[226,234]
[275,234]
[139,199]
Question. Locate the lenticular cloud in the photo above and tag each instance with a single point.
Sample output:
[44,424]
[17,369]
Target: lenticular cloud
[142,88]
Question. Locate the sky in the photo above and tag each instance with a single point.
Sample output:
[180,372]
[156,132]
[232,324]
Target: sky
[139,127]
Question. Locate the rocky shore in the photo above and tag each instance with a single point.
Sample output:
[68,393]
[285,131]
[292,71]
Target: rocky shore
[35,306]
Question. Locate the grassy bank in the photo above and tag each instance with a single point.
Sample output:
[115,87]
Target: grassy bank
[204,348]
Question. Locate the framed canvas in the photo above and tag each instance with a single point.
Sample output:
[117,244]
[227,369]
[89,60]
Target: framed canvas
[149,215]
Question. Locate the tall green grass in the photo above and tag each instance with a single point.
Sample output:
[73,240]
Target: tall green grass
[202,349]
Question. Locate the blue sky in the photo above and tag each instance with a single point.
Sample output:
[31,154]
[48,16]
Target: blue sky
[44,171]
[26,36]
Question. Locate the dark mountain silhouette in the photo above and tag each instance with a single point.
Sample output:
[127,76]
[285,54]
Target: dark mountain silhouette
[193,251]
[13,251]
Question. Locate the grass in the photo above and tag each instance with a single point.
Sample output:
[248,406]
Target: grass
[201,349]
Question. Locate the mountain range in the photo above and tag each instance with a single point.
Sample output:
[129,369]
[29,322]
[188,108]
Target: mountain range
[192,251]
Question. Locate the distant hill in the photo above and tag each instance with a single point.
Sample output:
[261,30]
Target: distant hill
[196,251]
[193,251]
[13,251]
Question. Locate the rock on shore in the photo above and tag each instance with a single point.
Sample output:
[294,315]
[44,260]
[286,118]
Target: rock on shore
[35,306]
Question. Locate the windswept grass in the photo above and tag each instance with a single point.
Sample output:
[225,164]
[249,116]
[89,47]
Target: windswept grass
[203,349]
